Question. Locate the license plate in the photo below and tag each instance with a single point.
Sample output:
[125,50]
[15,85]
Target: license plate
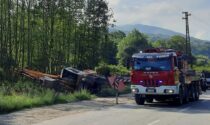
[151,90]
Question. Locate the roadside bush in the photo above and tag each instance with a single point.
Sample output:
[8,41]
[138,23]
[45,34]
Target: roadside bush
[104,69]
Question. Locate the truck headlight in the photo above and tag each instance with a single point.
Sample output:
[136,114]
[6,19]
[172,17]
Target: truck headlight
[135,90]
[169,91]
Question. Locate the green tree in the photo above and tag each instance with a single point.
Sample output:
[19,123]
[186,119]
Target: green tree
[160,44]
[177,43]
[133,43]
[117,36]
[48,34]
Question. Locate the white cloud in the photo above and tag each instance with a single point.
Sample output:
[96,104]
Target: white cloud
[164,13]
[200,34]
[113,3]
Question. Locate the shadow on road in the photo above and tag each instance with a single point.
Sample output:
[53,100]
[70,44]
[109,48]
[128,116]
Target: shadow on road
[6,119]
[201,106]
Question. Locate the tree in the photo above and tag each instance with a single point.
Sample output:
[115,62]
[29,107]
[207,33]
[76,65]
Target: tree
[133,43]
[160,44]
[117,36]
[177,42]
[48,34]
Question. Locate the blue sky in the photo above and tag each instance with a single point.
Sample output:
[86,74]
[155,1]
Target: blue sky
[165,13]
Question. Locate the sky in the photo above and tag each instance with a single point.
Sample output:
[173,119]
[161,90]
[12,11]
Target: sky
[165,14]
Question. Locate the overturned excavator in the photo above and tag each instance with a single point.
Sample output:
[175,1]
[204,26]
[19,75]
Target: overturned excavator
[69,80]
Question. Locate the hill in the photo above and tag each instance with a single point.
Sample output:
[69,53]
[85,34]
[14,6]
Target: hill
[199,47]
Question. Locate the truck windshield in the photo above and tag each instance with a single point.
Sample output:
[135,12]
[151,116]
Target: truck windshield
[154,64]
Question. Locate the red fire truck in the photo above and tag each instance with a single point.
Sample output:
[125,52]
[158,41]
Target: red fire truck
[163,75]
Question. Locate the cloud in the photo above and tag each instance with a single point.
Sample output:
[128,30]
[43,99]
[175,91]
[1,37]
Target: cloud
[164,13]
[200,34]
[113,3]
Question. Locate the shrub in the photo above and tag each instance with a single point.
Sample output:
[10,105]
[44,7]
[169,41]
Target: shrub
[104,69]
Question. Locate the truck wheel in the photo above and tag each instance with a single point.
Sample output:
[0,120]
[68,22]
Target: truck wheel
[187,96]
[139,99]
[149,100]
[193,94]
[197,94]
[180,100]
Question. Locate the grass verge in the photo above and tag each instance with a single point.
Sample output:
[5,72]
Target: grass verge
[27,95]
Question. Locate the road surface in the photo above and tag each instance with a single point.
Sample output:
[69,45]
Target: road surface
[195,113]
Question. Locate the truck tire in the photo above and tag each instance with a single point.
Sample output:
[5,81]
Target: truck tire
[187,98]
[193,93]
[197,94]
[180,99]
[139,99]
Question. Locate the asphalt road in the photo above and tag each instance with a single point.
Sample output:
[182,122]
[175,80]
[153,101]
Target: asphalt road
[194,113]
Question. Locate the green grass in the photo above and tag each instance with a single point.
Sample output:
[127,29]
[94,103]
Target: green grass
[22,95]
[201,68]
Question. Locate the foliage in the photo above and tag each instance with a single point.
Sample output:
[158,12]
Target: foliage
[202,60]
[46,35]
[111,47]
[27,95]
[132,43]
[104,69]
[175,42]
[201,68]
[1,74]
[160,44]
[117,36]
[109,55]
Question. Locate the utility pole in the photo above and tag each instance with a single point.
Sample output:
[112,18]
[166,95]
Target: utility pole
[188,44]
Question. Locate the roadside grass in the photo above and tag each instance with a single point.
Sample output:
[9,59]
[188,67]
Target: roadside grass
[22,95]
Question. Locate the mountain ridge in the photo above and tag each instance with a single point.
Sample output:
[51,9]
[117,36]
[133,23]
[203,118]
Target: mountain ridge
[151,30]
[199,47]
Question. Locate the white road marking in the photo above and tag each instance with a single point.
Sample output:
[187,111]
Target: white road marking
[154,122]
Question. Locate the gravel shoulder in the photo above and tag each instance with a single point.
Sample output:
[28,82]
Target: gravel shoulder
[37,115]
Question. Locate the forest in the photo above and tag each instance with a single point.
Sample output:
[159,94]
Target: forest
[47,35]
